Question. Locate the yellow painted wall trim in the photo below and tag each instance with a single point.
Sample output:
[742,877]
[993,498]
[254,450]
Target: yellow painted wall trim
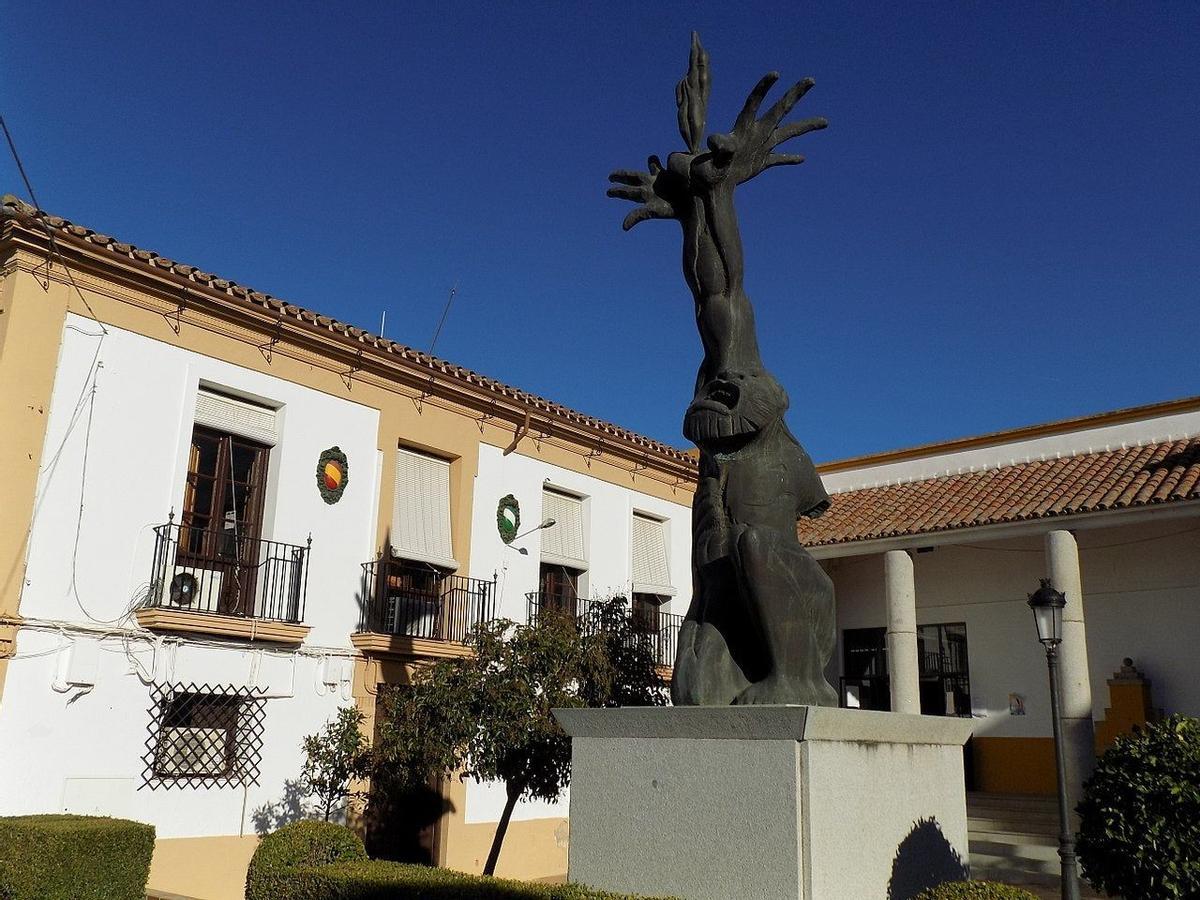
[206,868]
[158,619]
[1014,765]
[353,348]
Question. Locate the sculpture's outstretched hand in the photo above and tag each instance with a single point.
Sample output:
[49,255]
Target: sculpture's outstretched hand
[659,191]
[749,148]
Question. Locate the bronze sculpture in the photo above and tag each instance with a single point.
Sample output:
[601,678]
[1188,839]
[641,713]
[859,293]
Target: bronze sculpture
[760,627]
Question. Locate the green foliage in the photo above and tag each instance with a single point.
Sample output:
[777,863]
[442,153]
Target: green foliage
[488,716]
[975,890]
[324,861]
[64,857]
[296,847]
[1140,814]
[377,880]
[334,756]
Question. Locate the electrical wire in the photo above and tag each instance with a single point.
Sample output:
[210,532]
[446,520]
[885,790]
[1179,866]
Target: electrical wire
[55,251]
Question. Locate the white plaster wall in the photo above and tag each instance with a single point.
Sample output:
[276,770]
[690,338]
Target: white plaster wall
[608,523]
[1005,453]
[1141,588]
[82,751]
[141,424]
[85,569]
[608,517]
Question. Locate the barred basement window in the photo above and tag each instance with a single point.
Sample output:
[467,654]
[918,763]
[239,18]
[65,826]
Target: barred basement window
[206,736]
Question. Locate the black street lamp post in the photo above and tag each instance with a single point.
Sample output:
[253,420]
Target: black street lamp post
[1047,605]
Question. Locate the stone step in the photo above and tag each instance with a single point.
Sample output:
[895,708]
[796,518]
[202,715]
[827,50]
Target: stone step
[1039,827]
[1005,834]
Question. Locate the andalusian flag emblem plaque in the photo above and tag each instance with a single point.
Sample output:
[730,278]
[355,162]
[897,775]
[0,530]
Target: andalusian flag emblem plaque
[333,474]
[508,518]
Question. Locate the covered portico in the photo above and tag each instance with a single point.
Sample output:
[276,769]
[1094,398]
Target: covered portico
[932,561]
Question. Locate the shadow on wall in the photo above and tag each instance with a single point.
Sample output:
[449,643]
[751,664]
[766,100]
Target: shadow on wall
[293,806]
[923,860]
[401,823]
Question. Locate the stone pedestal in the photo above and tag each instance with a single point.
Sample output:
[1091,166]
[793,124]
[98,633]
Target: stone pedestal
[766,801]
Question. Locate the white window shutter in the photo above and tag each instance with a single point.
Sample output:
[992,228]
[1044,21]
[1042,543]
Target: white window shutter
[562,542]
[240,417]
[651,571]
[421,510]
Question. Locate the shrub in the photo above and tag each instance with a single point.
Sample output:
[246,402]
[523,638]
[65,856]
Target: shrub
[64,857]
[300,845]
[323,861]
[378,880]
[1140,814]
[975,890]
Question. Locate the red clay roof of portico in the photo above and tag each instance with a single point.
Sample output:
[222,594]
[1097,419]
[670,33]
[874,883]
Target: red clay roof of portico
[1129,477]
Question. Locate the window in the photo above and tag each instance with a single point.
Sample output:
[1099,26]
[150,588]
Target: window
[206,736]
[421,512]
[647,612]
[559,587]
[223,499]
[945,684]
[865,682]
[651,571]
[562,542]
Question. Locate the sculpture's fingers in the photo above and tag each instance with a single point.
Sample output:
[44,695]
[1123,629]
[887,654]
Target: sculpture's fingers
[782,159]
[636,194]
[627,176]
[654,164]
[754,100]
[795,129]
[642,213]
[787,101]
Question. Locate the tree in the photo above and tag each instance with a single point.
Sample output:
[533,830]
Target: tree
[488,716]
[334,756]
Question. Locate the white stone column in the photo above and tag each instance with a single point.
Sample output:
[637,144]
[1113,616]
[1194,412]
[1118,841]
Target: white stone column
[1062,563]
[901,593]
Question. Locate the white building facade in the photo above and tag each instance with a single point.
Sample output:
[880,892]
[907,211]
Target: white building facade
[241,517]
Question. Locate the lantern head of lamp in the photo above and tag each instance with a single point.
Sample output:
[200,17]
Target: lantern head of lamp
[1047,605]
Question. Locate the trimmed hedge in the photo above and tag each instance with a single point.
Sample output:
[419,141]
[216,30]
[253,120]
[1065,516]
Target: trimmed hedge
[298,846]
[379,880]
[975,890]
[1139,833]
[323,861]
[63,857]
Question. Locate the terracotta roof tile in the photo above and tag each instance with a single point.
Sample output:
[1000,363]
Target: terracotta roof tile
[16,209]
[1168,471]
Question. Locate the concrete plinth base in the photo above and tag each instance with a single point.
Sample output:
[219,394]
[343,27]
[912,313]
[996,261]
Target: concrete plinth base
[766,802]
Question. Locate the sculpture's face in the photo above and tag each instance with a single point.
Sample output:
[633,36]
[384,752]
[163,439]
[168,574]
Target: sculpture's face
[732,408]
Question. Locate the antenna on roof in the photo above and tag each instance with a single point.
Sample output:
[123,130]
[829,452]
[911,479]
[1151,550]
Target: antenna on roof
[445,312]
[382,322]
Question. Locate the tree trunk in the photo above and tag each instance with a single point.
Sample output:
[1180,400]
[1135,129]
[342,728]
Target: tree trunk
[514,793]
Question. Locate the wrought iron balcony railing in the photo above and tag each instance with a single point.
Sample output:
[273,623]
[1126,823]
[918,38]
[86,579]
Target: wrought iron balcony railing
[223,572]
[437,607]
[661,629]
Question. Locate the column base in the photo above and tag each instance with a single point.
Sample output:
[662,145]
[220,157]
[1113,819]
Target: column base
[766,801]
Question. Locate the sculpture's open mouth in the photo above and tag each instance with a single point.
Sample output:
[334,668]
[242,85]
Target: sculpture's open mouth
[724,393]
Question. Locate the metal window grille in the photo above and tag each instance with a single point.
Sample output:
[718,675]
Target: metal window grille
[203,736]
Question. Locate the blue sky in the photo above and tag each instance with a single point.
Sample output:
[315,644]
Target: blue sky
[1001,225]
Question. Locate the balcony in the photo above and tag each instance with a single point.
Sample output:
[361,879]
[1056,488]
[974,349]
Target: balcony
[224,583]
[661,629]
[419,609]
